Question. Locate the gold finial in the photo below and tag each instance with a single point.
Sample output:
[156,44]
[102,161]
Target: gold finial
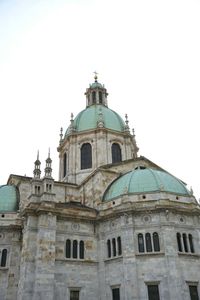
[95,76]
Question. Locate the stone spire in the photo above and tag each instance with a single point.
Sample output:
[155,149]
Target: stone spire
[48,169]
[37,170]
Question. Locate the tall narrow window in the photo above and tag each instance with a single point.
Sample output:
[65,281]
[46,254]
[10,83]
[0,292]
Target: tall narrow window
[115,294]
[109,248]
[193,292]
[93,97]
[178,236]
[68,248]
[100,97]
[148,242]
[119,245]
[185,242]
[86,156]
[74,295]
[4,257]
[75,248]
[81,250]
[114,247]
[153,292]
[156,244]
[65,165]
[191,243]
[116,153]
[140,242]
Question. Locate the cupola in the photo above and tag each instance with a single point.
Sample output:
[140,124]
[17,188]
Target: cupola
[96,93]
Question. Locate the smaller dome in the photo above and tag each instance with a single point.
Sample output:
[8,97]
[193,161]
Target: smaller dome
[8,198]
[145,181]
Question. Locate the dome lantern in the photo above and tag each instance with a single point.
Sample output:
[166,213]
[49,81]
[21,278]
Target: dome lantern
[96,93]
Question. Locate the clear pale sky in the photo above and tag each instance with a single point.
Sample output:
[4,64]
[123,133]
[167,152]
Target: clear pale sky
[147,54]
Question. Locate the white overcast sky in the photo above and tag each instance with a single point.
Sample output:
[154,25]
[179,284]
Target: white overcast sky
[147,54]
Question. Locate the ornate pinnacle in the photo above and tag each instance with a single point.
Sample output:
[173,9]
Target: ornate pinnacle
[36,170]
[48,169]
[126,122]
[61,134]
[95,76]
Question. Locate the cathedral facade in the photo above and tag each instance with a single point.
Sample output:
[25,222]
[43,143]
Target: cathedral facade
[115,226]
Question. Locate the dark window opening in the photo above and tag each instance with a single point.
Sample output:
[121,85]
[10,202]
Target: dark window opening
[116,153]
[93,97]
[140,242]
[178,236]
[148,242]
[115,294]
[153,292]
[37,190]
[81,250]
[119,245]
[48,187]
[114,247]
[109,248]
[193,292]
[100,98]
[75,246]
[65,165]
[4,257]
[68,249]
[86,156]
[74,295]
[156,244]
[191,243]
[185,242]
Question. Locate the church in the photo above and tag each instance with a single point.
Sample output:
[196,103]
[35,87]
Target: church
[114,226]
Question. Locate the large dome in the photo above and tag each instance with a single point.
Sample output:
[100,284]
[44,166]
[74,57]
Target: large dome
[145,181]
[9,201]
[90,117]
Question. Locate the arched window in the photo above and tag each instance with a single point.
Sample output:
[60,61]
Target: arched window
[93,97]
[116,153]
[156,244]
[81,250]
[109,248]
[191,243]
[64,164]
[114,247]
[119,245]
[4,257]
[148,242]
[185,242]
[100,97]
[178,236]
[140,242]
[68,249]
[86,156]
[75,248]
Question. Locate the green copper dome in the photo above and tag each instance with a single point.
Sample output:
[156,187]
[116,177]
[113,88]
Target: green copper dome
[145,181]
[95,116]
[95,85]
[8,198]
